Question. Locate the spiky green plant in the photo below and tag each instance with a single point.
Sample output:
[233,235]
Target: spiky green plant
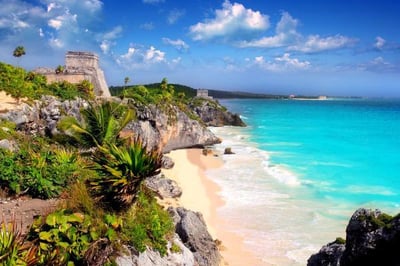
[122,170]
[100,125]
[13,248]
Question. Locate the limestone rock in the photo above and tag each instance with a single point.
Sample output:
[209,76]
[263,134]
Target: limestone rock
[213,114]
[8,145]
[192,230]
[329,255]
[167,162]
[228,150]
[151,258]
[372,238]
[158,129]
[163,187]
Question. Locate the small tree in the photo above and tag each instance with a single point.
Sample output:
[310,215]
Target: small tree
[126,80]
[60,69]
[18,52]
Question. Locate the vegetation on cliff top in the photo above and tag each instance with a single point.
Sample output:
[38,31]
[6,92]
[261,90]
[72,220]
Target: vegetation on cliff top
[20,83]
[91,218]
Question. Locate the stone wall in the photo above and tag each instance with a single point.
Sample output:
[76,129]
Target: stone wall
[80,66]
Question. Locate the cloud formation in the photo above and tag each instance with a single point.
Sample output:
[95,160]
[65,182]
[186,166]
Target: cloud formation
[286,34]
[174,15]
[179,44]
[141,58]
[229,22]
[281,63]
[379,43]
[379,64]
[315,44]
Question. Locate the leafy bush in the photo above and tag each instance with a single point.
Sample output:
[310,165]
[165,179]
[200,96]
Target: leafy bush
[62,237]
[148,224]
[41,172]
[19,83]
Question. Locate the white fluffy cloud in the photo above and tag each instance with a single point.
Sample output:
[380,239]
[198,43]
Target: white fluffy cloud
[230,21]
[179,44]
[286,33]
[379,43]
[141,58]
[282,63]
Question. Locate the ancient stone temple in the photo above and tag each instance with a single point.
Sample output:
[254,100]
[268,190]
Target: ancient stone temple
[79,66]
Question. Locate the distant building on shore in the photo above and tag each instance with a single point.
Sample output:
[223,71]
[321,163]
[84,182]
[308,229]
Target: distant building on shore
[79,66]
[202,93]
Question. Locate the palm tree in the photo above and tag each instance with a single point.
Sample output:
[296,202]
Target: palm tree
[19,51]
[100,125]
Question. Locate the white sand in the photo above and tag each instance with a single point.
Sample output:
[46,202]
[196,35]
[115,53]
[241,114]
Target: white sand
[201,194]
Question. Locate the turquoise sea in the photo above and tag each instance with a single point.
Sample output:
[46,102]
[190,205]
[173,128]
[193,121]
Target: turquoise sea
[301,168]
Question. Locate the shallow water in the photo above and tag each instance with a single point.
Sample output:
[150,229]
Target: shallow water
[301,168]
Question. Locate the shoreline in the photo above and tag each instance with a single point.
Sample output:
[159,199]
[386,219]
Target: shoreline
[200,194]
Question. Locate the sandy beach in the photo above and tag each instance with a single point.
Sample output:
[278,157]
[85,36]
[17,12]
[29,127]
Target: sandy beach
[201,194]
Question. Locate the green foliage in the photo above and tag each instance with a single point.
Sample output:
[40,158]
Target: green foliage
[382,221]
[19,51]
[60,69]
[100,125]
[18,83]
[62,237]
[13,249]
[40,170]
[148,224]
[122,169]
[7,129]
[340,240]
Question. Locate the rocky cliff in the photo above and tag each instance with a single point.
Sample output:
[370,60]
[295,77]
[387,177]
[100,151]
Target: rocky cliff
[372,238]
[155,126]
[167,132]
[213,114]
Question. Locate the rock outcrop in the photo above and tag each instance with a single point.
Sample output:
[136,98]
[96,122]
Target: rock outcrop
[213,114]
[192,230]
[163,187]
[168,133]
[372,238]
[150,257]
[42,116]
[153,125]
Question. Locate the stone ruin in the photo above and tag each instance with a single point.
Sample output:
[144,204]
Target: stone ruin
[79,66]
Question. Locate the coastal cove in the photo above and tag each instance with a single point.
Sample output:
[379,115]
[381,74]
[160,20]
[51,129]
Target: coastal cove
[301,168]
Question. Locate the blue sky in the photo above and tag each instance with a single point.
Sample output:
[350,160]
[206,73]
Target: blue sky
[326,47]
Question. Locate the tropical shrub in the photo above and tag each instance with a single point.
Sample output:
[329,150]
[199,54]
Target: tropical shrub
[14,250]
[148,224]
[69,238]
[121,171]
[42,172]
[100,125]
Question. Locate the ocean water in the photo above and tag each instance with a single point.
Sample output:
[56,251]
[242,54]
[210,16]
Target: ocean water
[301,168]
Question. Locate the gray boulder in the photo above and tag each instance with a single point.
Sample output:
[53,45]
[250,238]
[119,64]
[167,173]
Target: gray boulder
[192,230]
[163,187]
[151,258]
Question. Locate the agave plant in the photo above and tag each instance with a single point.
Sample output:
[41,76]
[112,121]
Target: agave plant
[13,248]
[100,125]
[122,170]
